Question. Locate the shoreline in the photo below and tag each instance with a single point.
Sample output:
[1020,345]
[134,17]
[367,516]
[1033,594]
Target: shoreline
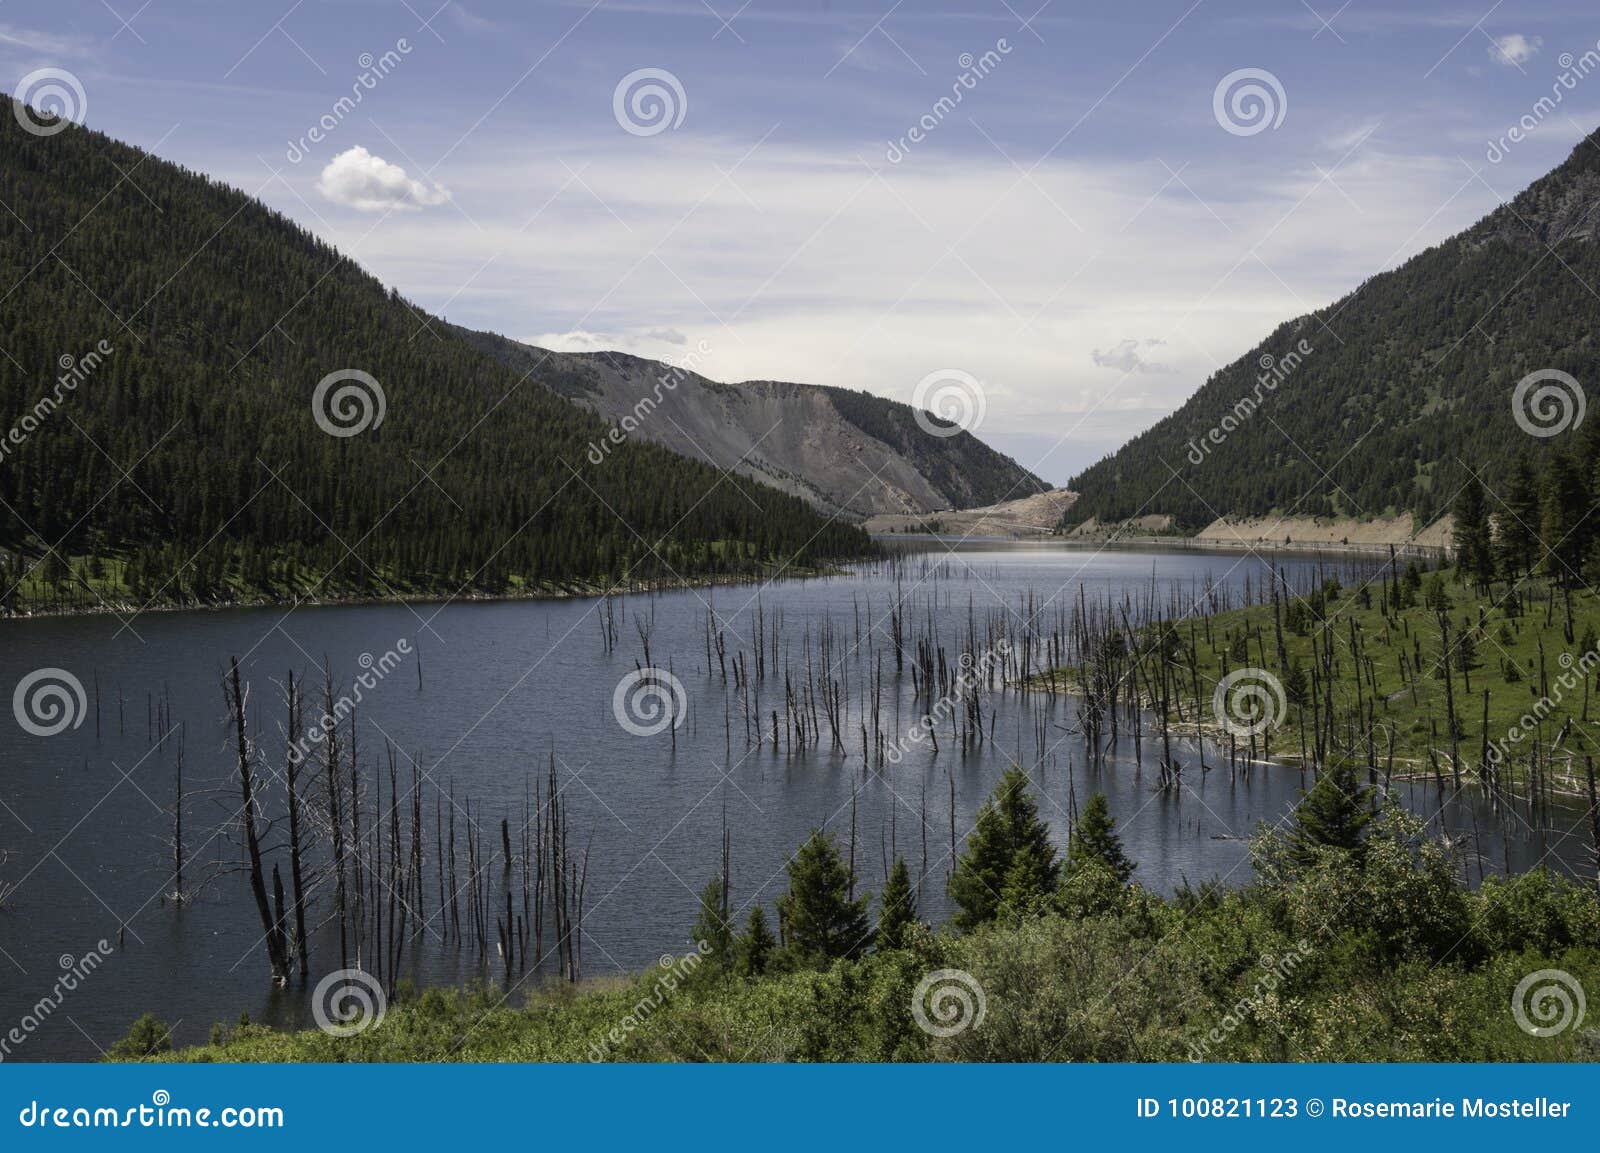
[574,592]
[1408,769]
[1183,543]
[577,589]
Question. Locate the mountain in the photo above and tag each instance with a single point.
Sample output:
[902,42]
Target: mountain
[172,415]
[844,451]
[1409,381]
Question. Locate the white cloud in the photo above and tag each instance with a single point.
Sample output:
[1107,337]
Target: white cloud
[1125,356]
[358,179]
[1514,49]
[575,341]
[639,343]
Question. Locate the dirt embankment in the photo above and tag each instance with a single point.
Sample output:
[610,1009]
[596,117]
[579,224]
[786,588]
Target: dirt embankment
[1151,524]
[1403,532]
[1040,516]
[1023,518]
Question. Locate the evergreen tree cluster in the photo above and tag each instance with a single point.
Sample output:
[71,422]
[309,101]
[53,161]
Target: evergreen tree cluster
[185,463]
[1008,871]
[1540,521]
[1408,388]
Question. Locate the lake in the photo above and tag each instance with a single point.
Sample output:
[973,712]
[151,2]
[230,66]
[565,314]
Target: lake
[490,692]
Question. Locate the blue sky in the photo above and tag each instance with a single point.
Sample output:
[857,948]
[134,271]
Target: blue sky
[1084,233]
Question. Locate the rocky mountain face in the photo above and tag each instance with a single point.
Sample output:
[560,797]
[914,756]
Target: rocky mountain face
[845,452]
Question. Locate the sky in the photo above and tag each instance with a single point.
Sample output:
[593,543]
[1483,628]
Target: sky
[1124,198]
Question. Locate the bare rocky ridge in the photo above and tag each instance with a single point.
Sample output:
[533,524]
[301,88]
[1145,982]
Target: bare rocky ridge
[804,439]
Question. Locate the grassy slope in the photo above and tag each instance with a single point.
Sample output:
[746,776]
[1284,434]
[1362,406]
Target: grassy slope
[1412,708]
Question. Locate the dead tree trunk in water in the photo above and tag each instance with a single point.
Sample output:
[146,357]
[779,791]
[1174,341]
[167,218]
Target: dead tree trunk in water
[178,895]
[336,819]
[1594,814]
[357,878]
[273,928]
[296,873]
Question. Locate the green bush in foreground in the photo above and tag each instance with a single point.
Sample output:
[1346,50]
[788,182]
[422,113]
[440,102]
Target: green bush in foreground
[1328,955]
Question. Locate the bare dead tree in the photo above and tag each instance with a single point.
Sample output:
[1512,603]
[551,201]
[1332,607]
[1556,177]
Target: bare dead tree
[335,801]
[271,926]
[291,773]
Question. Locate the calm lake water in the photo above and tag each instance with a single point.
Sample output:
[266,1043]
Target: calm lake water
[86,814]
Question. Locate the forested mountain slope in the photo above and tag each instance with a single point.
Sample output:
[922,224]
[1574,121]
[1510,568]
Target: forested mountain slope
[1409,380]
[840,449]
[164,340]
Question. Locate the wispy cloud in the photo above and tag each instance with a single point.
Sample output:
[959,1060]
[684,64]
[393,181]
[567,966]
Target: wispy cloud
[1125,356]
[45,43]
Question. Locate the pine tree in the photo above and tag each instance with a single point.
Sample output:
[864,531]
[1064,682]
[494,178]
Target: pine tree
[897,910]
[1030,886]
[1564,521]
[1472,540]
[756,944]
[1517,521]
[1094,842]
[1007,825]
[1333,813]
[821,921]
[1436,597]
[1296,687]
[711,928]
